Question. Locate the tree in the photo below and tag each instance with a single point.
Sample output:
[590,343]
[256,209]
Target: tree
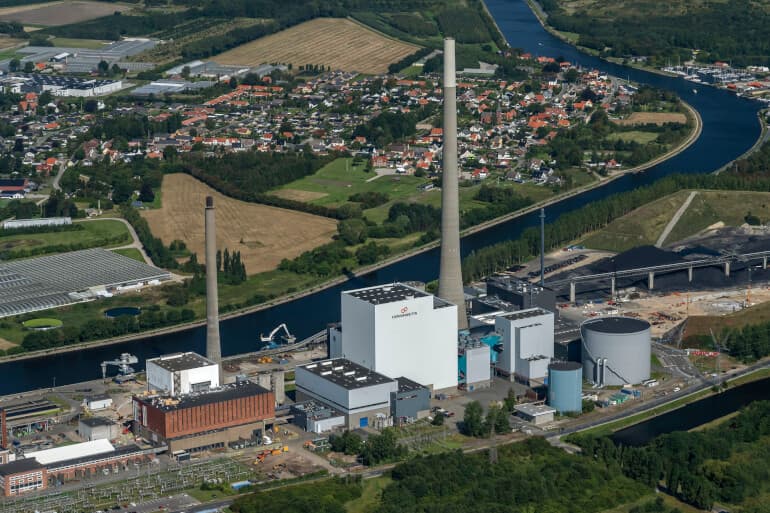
[29,67]
[116,70]
[510,401]
[170,154]
[91,106]
[103,67]
[473,423]
[438,419]
[14,65]
[352,231]
[571,75]
[186,72]
[146,194]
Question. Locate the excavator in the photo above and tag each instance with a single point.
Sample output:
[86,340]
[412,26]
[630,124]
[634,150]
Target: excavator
[288,338]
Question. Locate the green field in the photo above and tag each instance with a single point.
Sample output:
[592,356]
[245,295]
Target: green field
[370,495]
[334,183]
[729,207]
[68,42]
[43,322]
[645,224]
[703,324]
[94,234]
[634,136]
[130,253]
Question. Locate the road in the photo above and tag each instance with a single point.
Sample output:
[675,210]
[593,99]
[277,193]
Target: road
[675,219]
[136,244]
[56,179]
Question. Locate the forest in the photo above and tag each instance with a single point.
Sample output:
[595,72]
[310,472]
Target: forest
[528,477]
[736,32]
[725,464]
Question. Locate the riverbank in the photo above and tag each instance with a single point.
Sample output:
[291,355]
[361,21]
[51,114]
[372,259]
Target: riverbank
[363,271]
[756,372]
[763,138]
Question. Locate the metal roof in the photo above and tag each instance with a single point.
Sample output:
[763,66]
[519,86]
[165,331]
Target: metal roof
[525,314]
[346,374]
[19,466]
[565,366]
[383,294]
[616,325]
[181,361]
[534,410]
[70,452]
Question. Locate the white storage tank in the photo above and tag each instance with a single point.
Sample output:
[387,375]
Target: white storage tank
[616,350]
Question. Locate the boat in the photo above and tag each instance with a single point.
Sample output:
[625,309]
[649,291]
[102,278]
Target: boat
[694,91]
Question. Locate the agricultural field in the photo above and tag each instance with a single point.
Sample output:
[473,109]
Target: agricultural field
[656,118]
[94,234]
[340,43]
[54,14]
[634,136]
[264,235]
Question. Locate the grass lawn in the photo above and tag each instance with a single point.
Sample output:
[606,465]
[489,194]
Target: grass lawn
[335,182]
[93,44]
[93,235]
[729,207]
[43,322]
[633,136]
[637,228]
[130,253]
[370,495]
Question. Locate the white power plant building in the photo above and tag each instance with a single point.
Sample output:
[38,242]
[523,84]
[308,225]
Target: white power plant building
[527,339]
[182,373]
[398,330]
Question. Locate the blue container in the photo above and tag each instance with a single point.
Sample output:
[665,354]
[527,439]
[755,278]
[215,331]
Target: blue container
[565,386]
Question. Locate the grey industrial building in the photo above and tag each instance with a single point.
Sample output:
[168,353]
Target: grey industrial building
[315,417]
[537,414]
[360,394]
[616,350]
[97,428]
[520,293]
[410,402]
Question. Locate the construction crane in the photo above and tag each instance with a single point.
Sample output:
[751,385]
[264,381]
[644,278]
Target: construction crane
[125,371]
[288,337]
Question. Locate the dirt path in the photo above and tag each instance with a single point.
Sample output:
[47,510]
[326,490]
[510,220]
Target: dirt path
[675,219]
[136,244]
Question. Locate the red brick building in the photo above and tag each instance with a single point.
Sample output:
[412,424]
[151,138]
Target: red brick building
[205,420]
[22,476]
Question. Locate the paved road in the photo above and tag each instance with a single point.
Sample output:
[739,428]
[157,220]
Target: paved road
[136,244]
[57,178]
[675,219]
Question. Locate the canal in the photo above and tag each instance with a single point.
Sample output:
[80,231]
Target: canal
[694,414]
[730,127]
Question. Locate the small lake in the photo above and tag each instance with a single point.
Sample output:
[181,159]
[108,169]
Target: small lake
[122,311]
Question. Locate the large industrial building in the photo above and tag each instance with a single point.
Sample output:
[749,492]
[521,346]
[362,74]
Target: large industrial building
[398,330]
[527,343]
[474,359]
[616,350]
[522,294]
[182,373]
[360,394]
[202,421]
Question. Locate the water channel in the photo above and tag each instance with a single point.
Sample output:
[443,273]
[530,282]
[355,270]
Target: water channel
[730,127]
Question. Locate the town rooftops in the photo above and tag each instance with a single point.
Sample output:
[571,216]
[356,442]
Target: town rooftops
[181,361]
[224,393]
[525,314]
[383,294]
[346,374]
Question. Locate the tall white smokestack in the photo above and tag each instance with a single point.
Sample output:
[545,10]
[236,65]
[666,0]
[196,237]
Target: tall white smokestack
[450,282]
[213,346]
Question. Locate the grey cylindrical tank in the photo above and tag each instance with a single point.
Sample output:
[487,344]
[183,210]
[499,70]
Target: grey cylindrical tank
[616,350]
[565,386]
